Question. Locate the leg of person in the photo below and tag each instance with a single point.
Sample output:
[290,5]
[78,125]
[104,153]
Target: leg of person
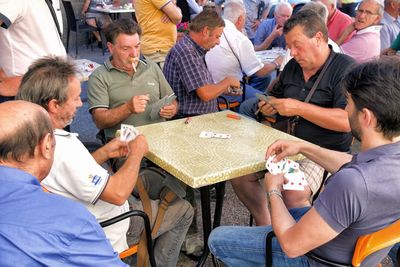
[170,235]
[314,175]
[393,253]
[252,194]
[259,83]
[246,246]
[251,92]
[249,107]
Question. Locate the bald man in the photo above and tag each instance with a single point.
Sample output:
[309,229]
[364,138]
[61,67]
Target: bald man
[35,226]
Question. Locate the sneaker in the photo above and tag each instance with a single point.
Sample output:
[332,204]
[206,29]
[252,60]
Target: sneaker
[192,245]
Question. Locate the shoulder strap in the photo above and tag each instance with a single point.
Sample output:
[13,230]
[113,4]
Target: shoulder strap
[53,14]
[229,44]
[314,87]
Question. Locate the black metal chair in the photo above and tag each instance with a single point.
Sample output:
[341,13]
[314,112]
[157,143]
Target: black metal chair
[76,25]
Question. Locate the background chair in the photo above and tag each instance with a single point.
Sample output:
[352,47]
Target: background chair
[134,249]
[365,246]
[76,25]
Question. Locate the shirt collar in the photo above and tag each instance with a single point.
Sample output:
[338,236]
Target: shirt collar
[200,49]
[370,154]
[109,66]
[372,28]
[14,175]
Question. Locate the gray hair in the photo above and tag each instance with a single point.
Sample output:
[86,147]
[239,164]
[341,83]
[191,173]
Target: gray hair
[23,131]
[233,10]
[281,5]
[379,5]
[46,79]
[318,8]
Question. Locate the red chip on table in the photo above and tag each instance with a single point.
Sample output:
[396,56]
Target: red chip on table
[233,116]
[188,120]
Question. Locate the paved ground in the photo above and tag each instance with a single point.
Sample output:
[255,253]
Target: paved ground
[234,213]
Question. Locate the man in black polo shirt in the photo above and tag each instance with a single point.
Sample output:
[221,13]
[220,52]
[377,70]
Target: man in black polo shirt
[322,121]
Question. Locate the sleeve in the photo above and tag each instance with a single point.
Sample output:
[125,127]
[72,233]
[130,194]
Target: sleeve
[248,59]
[194,6]
[396,44]
[160,3]
[261,33]
[193,72]
[165,88]
[343,200]
[98,96]
[385,37]
[92,248]
[75,173]
[10,12]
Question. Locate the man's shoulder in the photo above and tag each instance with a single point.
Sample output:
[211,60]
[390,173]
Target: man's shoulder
[341,61]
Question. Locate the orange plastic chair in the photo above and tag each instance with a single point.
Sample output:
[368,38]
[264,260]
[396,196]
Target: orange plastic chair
[134,249]
[365,246]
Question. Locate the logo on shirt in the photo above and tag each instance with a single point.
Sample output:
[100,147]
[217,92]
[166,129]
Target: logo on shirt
[96,180]
[151,83]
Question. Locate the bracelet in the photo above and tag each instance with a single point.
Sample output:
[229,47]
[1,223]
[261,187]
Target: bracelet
[276,65]
[274,192]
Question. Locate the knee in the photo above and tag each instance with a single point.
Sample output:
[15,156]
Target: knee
[216,239]
[188,211]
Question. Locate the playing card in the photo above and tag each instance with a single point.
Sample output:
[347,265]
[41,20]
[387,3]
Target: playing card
[262,97]
[297,181]
[222,136]
[157,106]
[128,133]
[275,167]
[291,166]
[168,99]
[205,134]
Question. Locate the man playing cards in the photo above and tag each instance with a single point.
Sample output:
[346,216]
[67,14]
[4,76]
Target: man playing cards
[361,196]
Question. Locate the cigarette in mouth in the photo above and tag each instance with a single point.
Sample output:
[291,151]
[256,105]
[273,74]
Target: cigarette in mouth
[133,59]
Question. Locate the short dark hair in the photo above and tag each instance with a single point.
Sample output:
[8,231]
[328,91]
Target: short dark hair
[207,18]
[375,85]
[125,26]
[25,136]
[310,22]
[46,79]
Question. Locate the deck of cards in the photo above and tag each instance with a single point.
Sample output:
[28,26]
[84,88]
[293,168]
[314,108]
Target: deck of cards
[128,133]
[290,170]
[205,134]
[157,106]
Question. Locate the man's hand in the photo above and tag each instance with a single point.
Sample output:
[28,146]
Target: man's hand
[277,31]
[266,108]
[116,148]
[139,145]
[232,82]
[282,149]
[138,103]
[388,52]
[255,24]
[169,111]
[274,181]
[286,106]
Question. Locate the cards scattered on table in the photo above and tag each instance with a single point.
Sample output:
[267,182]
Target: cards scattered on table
[128,133]
[290,170]
[157,106]
[205,134]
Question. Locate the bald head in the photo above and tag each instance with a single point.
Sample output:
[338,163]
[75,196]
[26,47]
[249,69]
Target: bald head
[23,127]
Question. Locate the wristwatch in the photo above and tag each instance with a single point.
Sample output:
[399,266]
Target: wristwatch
[276,65]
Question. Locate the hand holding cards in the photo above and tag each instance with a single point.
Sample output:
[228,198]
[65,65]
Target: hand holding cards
[128,133]
[157,106]
[290,170]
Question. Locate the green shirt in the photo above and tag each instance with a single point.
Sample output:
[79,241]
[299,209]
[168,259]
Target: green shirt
[110,88]
[396,43]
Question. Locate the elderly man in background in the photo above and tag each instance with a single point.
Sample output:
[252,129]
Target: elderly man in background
[270,32]
[337,20]
[365,44]
[235,55]
[391,23]
[38,228]
[186,69]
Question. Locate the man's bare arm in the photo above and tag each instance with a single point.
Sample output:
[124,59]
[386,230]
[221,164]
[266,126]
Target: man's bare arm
[173,12]
[9,84]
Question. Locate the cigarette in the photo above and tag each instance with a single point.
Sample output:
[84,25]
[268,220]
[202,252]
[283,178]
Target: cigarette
[132,60]
[133,66]
[258,110]
[188,120]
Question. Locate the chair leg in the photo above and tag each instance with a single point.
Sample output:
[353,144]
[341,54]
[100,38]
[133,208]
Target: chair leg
[68,31]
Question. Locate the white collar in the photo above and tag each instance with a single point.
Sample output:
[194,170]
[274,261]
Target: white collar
[372,28]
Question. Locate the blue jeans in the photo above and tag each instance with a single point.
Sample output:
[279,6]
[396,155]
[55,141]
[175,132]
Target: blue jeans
[393,254]
[249,107]
[245,246]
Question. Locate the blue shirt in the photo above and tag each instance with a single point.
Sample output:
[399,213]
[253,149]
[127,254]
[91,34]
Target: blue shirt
[361,198]
[264,30]
[43,229]
[186,71]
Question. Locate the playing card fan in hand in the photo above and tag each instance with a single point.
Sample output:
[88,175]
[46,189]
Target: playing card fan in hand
[128,133]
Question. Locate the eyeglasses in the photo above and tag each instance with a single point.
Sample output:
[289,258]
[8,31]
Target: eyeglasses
[366,12]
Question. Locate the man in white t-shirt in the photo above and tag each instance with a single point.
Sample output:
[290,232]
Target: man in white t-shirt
[77,174]
[27,32]
[235,54]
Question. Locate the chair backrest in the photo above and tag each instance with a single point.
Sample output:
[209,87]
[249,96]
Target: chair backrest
[368,244]
[69,12]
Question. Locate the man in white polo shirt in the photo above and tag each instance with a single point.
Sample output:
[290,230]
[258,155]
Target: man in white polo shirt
[27,32]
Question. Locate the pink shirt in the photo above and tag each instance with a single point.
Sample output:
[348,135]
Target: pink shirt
[337,23]
[364,45]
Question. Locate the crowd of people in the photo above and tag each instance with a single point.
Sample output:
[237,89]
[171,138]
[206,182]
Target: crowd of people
[339,80]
